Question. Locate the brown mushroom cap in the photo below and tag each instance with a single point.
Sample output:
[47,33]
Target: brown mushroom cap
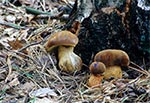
[97,68]
[112,57]
[64,38]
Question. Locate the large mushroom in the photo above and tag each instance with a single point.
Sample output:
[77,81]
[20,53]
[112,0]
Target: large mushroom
[111,57]
[113,60]
[97,70]
[65,41]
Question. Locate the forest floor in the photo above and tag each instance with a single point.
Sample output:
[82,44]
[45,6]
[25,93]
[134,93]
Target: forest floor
[28,74]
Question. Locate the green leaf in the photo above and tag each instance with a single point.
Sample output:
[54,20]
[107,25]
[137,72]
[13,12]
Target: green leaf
[32,100]
[35,11]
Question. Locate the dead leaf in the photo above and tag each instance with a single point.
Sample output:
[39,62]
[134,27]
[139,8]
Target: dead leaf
[43,92]
[17,44]
[44,100]
[10,18]
[27,86]
[24,89]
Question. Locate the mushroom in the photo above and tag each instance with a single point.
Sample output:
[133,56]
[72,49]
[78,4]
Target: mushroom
[65,41]
[111,57]
[113,60]
[96,69]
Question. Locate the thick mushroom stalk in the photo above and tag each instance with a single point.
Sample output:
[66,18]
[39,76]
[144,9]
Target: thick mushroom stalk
[68,60]
[113,72]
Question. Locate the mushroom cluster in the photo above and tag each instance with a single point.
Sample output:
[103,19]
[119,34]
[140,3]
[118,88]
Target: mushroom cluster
[113,60]
[65,41]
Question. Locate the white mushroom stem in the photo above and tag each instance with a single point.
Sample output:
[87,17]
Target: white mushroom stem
[68,60]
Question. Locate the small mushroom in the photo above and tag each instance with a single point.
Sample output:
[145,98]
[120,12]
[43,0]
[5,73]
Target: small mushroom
[96,69]
[113,60]
[65,41]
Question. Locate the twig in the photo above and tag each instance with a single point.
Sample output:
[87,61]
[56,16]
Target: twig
[85,65]
[44,80]
[143,72]
[129,83]
[38,12]
[136,65]
[23,48]
[11,25]
[9,68]
[140,69]
[53,73]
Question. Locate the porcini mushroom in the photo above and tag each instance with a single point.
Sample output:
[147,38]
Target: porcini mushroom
[62,38]
[96,69]
[113,60]
[65,41]
[111,57]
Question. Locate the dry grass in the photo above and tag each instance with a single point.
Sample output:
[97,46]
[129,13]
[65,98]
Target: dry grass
[21,72]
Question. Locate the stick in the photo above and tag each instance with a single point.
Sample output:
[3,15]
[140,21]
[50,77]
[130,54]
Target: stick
[143,72]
